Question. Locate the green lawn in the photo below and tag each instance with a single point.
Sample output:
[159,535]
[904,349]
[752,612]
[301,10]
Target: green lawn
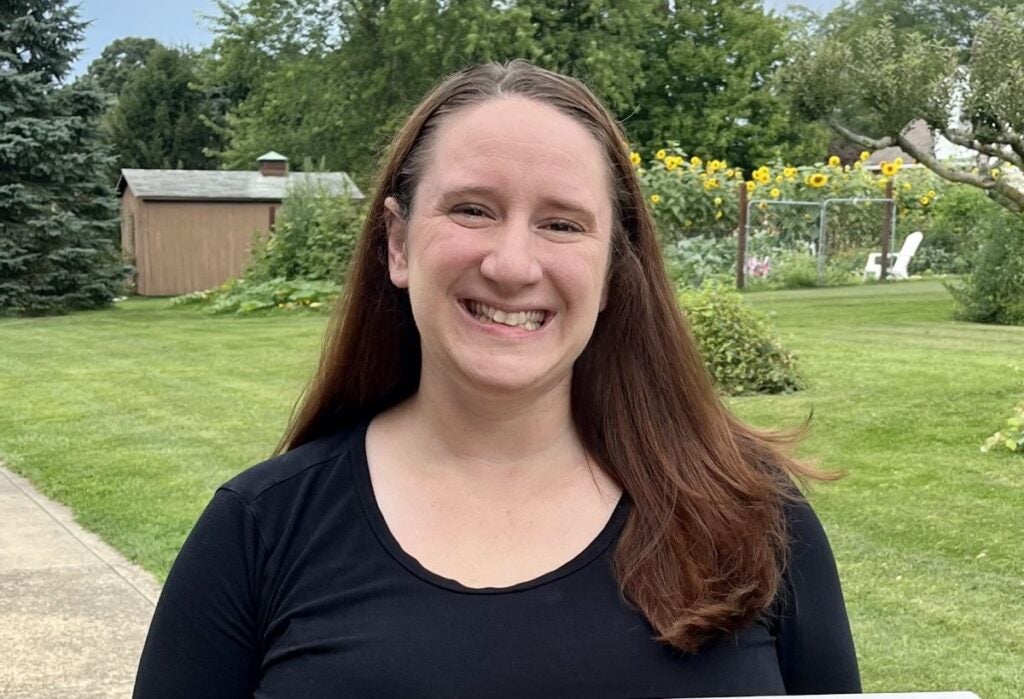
[133,416]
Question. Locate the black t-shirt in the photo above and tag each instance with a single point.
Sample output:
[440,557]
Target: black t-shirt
[291,585]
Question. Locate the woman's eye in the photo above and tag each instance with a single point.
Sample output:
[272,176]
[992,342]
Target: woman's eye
[562,226]
[469,210]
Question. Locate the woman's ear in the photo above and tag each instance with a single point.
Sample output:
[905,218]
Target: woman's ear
[398,259]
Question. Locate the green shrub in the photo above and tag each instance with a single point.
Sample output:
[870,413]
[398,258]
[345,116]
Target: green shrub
[994,291]
[737,344]
[951,235]
[314,236]
[242,296]
[1010,437]
[798,270]
[692,261]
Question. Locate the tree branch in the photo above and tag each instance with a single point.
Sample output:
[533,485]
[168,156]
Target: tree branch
[993,151]
[998,189]
[943,171]
[860,139]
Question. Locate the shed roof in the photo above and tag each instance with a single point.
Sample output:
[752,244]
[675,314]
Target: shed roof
[226,185]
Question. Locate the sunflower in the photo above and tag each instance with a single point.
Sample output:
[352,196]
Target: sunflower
[925,201]
[789,172]
[889,169]
[751,186]
[711,183]
[817,180]
[655,198]
[995,173]
[834,161]
[763,174]
[696,162]
[775,193]
[660,155]
[864,155]
[718,201]
[634,158]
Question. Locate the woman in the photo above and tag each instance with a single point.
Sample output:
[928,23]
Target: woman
[511,475]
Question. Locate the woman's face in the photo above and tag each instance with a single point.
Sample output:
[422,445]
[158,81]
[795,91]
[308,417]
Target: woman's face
[506,249]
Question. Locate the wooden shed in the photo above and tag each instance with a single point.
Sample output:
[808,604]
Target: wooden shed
[188,230]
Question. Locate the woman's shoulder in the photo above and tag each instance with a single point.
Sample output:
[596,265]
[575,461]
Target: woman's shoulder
[299,468]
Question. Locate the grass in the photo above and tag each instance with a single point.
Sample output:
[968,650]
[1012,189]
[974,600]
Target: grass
[133,416]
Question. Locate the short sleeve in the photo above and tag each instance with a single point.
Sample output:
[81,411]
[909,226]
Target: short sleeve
[204,637]
[813,640]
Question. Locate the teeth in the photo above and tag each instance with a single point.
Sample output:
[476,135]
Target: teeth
[528,320]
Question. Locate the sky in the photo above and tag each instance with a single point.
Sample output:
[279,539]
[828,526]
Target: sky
[178,22]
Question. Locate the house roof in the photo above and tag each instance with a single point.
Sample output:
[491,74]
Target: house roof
[918,133]
[226,185]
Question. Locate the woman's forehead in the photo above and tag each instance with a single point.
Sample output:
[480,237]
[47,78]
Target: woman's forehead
[516,140]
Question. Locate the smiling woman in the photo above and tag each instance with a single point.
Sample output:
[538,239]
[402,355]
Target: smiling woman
[511,475]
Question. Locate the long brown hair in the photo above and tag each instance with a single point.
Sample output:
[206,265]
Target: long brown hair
[704,544]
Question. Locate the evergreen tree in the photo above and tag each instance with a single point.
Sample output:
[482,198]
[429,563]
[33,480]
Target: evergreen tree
[57,213]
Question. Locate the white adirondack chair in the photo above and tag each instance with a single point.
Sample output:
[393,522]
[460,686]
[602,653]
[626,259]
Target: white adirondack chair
[898,262]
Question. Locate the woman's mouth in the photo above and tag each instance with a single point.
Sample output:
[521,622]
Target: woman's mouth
[530,320]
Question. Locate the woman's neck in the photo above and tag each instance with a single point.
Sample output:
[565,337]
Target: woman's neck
[491,436]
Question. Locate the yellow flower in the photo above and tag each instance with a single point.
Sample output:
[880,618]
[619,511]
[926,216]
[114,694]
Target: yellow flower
[881,182]
[789,172]
[719,214]
[779,179]
[906,187]
[660,155]
[994,172]
[817,180]
[751,186]
[925,201]
[730,172]
[670,163]
[775,193]
[688,223]
[696,162]
[834,161]
[763,174]
[864,155]
[634,158]
[974,171]
[711,183]
[718,201]
[655,198]
[930,194]
[898,162]
[889,169]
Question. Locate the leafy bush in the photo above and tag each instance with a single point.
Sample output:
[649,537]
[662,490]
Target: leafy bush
[1012,436]
[951,240]
[314,236]
[994,291]
[737,344]
[242,296]
[692,261]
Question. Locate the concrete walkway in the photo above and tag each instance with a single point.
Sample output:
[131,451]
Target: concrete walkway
[73,612]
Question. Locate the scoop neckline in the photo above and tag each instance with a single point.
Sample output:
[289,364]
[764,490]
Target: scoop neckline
[375,518]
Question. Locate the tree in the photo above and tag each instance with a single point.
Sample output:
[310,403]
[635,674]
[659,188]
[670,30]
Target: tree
[871,90]
[57,214]
[707,85]
[118,62]
[157,119]
[697,72]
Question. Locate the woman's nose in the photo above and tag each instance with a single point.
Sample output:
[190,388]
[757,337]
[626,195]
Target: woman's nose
[511,260]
